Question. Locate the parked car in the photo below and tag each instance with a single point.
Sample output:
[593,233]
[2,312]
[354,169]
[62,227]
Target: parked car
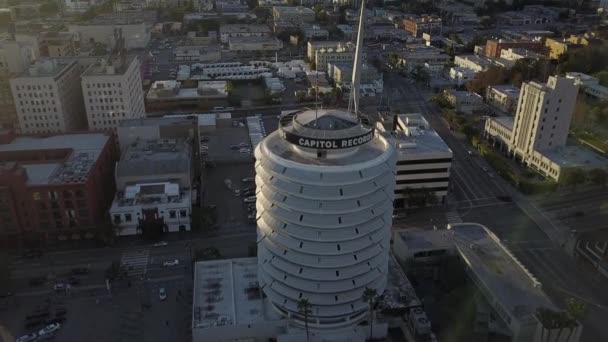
[248,193]
[61,287]
[49,329]
[248,179]
[243,145]
[250,199]
[160,244]
[234,147]
[28,338]
[251,217]
[170,263]
[245,150]
[162,294]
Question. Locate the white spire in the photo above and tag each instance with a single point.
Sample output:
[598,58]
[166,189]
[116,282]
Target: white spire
[353,103]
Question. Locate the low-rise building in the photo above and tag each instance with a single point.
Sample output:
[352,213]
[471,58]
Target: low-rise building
[103,29]
[112,92]
[194,53]
[342,53]
[169,95]
[514,54]
[293,13]
[154,187]
[494,47]
[465,101]
[589,84]
[55,187]
[79,6]
[506,287]
[422,24]
[230,6]
[423,164]
[503,97]
[418,55]
[263,43]
[57,44]
[560,46]
[472,62]
[240,30]
[312,32]
[48,97]
[201,38]
[461,76]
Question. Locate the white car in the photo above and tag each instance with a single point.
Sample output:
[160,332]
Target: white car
[248,179]
[162,294]
[171,263]
[49,329]
[249,199]
[27,338]
[161,244]
[245,150]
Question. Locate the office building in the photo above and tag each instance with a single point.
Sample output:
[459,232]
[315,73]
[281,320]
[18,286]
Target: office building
[48,97]
[238,30]
[112,92]
[423,161]
[55,187]
[154,187]
[508,294]
[324,196]
[543,116]
[538,133]
[314,45]
[423,24]
[342,53]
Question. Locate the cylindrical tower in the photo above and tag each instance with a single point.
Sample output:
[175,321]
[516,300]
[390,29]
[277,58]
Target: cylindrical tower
[324,210]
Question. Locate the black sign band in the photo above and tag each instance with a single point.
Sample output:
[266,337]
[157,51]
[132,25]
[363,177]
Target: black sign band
[328,144]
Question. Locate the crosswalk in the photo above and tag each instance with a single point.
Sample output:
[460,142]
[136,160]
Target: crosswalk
[453,217]
[135,262]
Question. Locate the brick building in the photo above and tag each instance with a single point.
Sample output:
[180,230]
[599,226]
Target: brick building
[424,24]
[494,47]
[55,187]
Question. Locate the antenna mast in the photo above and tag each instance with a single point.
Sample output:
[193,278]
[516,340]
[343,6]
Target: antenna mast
[353,101]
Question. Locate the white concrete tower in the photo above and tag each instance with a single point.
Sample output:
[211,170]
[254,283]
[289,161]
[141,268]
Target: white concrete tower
[324,211]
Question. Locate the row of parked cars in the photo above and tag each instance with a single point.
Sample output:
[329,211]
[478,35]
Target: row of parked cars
[43,318]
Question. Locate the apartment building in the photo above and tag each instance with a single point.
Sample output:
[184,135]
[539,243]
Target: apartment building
[423,24]
[48,97]
[424,160]
[472,62]
[239,30]
[112,92]
[55,187]
[560,46]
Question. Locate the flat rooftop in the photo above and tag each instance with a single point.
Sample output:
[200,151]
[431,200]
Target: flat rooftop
[241,28]
[414,136]
[81,155]
[572,155]
[155,157]
[509,90]
[46,68]
[227,293]
[159,121]
[494,266]
[505,121]
[109,67]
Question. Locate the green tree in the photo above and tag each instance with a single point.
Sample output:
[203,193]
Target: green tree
[304,308]
[393,58]
[370,296]
[574,312]
[572,177]
[602,77]
[598,177]
[469,131]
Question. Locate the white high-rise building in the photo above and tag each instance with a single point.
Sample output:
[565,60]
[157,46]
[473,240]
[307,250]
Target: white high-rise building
[543,116]
[48,97]
[112,92]
[325,189]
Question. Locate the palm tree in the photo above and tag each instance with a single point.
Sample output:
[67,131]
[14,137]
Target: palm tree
[370,296]
[304,308]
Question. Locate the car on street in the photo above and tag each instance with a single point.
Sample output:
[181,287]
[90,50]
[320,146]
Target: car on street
[251,217]
[170,263]
[249,199]
[61,287]
[248,179]
[243,145]
[161,244]
[234,147]
[162,294]
[49,329]
[249,193]
[485,169]
[27,338]
[245,150]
